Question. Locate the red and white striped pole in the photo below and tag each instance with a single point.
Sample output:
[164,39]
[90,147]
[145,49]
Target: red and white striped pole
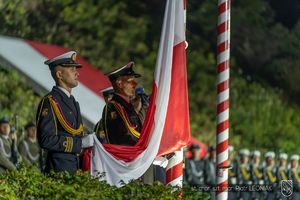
[174,169]
[223,98]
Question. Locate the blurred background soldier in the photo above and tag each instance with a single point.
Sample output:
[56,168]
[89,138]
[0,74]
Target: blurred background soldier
[210,170]
[9,157]
[294,175]
[99,130]
[195,167]
[270,175]
[232,173]
[29,147]
[108,94]
[244,175]
[257,173]
[282,172]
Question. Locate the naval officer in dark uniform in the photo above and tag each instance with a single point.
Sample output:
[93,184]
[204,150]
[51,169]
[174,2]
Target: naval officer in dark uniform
[121,122]
[99,130]
[59,123]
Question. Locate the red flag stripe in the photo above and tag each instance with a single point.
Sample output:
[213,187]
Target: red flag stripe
[129,153]
[177,129]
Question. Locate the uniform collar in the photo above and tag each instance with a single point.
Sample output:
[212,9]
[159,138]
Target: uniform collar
[4,136]
[31,140]
[65,91]
[123,97]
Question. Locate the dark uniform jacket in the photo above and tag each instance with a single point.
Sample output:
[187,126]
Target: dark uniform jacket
[62,143]
[117,117]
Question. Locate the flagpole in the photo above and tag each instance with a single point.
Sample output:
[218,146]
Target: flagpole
[222,133]
[174,169]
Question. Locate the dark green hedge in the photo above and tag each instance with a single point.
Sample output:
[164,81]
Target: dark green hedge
[30,184]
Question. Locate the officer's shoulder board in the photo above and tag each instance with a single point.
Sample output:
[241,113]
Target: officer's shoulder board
[111,110]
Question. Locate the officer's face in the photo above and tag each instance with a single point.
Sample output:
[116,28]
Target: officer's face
[196,153]
[256,159]
[294,163]
[270,161]
[245,159]
[283,162]
[5,129]
[31,132]
[127,85]
[68,76]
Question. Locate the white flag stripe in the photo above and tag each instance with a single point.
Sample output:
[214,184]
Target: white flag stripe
[166,45]
[179,36]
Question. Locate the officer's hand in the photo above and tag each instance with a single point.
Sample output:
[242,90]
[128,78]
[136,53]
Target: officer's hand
[13,136]
[161,161]
[88,140]
[137,103]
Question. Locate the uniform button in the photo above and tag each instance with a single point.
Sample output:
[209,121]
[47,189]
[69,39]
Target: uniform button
[70,112]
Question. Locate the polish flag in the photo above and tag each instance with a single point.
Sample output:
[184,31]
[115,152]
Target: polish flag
[166,127]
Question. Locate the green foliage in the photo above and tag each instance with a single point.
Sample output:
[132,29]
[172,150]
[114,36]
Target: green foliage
[30,184]
[260,115]
[16,98]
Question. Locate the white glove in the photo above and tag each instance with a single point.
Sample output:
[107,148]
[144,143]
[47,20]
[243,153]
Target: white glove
[161,161]
[88,140]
